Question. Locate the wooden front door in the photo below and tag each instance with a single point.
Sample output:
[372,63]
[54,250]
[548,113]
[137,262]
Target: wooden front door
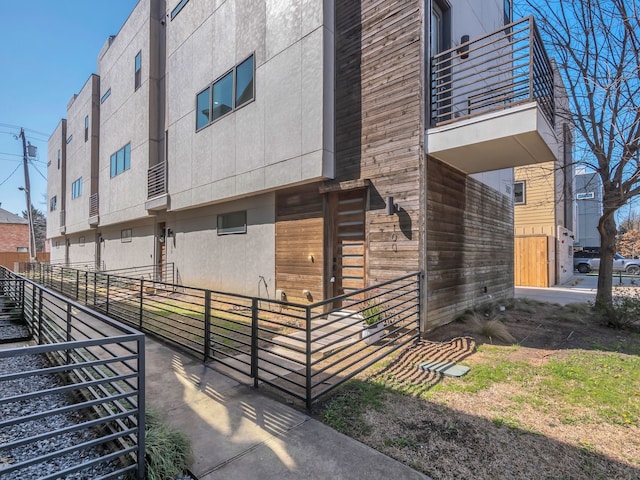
[349,247]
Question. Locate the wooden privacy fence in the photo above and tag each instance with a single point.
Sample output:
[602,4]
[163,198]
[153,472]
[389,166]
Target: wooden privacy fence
[8,259]
[531,261]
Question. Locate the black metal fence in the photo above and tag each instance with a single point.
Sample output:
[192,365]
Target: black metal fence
[301,350]
[85,367]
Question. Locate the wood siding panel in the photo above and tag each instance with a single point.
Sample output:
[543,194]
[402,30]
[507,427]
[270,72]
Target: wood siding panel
[469,244]
[299,234]
[379,124]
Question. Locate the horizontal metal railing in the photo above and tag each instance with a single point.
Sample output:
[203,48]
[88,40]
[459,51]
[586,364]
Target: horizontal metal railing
[302,350]
[494,72]
[86,367]
[157,180]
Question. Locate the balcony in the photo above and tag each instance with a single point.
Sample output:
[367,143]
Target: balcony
[492,101]
[94,210]
[157,196]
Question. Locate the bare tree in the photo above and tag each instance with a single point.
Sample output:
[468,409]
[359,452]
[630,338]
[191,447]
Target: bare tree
[596,45]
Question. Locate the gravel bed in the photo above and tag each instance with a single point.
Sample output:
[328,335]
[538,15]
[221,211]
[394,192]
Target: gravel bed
[11,330]
[41,404]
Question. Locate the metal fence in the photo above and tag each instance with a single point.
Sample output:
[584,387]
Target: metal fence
[301,350]
[496,71]
[88,368]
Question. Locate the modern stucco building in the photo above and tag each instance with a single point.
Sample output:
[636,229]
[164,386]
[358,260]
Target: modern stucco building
[589,209]
[308,148]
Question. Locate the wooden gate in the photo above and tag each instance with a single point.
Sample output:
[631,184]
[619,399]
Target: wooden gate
[531,261]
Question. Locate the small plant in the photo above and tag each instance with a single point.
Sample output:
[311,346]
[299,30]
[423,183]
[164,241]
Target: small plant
[168,451]
[371,314]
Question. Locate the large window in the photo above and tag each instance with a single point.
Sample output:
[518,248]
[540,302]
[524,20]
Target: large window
[53,203]
[232,223]
[519,193]
[76,188]
[227,93]
[138,71]
[121,160]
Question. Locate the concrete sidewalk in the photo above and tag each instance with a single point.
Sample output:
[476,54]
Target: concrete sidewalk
[237,433]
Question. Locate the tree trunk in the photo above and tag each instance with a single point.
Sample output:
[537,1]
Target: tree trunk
[607,229]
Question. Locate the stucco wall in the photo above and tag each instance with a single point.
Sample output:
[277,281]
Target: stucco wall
[283,136]
[55,177]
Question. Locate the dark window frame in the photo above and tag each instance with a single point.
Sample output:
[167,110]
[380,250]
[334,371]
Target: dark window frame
[234,83]
[126,235]
[234,227]
[114,168]
[524,192]
[53,203]
[86,128]
[137,69]
[76,188]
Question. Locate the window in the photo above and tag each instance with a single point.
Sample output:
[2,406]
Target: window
[203,101]
[227,93]
[244,82]
[121,160]
[105,96]
[81,241]
[69,138]
[519,197]
[22,249]
[223,96]
[58,159]
[178,7]
[125,235]
[53,203]
[232,223]
[138,73]
[86,128]
[585,195]
[76,188]
[57,243]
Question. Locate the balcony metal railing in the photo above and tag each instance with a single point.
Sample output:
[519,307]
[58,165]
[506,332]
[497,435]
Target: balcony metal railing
[157,180]
[94,205]
[494,72]
[302,350]
[85,366]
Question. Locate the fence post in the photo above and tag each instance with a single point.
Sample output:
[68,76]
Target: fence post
[33,305]
[39,316]
[77,284]
[308,359]
[141,303]
[419,275]
[141,408]
[207,324]
[95,286]
[107,299]
[254,341]
[86,288]
[22,302]
[68,352]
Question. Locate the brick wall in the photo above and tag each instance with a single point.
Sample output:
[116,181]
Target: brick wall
[13,236]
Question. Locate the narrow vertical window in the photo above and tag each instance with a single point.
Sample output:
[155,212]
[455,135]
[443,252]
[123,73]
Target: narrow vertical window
[58,159]
[223,96]
[508,11]
[244,82]
[519,193]
[86,128]
[203,108]
[138,72]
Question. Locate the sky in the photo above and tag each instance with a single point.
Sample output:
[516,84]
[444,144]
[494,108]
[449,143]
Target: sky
[48,49]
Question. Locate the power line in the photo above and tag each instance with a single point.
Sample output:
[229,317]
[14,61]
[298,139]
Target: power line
[8,125]
[45,178]
[10,175]
[12,154]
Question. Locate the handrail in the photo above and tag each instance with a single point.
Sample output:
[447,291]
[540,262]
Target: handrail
[496,71]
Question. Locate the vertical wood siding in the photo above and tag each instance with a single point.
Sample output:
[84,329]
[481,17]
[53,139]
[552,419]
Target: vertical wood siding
[469,244]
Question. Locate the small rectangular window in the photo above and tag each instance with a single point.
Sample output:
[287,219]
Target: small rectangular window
[59,159]
[519,194]
[86,128]
[120,161]
[69,138]
[232,223]
[81,241]
[105,96]
[53,203]
[203,108]
[244,82]
[22,249]
[76,188]
[508,11]
[137,68]
[223,96]
[178,7]
[585,196]
[125,235]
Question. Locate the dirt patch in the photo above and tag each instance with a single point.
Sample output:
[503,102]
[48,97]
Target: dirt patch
[491,433]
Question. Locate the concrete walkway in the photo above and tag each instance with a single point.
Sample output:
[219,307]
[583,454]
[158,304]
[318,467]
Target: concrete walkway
[237,433]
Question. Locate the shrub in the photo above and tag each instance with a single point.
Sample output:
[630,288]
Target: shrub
[624,311]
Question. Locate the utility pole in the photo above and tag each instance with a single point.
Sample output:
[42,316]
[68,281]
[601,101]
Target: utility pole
[27,192]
